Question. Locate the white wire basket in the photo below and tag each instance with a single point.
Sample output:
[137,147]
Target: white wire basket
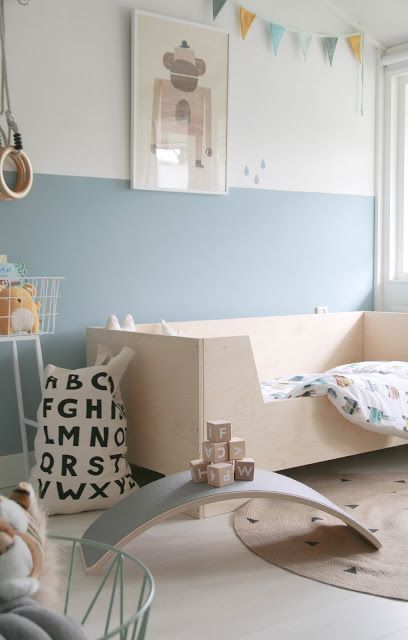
[29,305]
[115,602]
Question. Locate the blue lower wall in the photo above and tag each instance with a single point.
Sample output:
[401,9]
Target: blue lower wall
[180,256]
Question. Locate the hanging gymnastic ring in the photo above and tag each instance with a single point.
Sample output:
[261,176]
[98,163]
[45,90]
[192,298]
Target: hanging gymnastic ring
[24,174]
[21,177]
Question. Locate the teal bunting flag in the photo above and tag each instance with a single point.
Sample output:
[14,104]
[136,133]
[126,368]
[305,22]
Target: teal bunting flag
[304,41]
[217,6]
[331,44]
[276,34]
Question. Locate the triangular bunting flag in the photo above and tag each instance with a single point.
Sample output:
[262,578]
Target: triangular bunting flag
[331,44]
[276,34]
[246,18]
[304,41]
[217,6]
[356,43]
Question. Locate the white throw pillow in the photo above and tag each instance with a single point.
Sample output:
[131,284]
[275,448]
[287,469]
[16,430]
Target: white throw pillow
[80,446]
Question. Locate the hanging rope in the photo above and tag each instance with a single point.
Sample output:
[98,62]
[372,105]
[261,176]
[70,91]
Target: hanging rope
[14,153]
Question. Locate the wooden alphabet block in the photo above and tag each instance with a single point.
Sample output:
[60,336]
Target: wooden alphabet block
[218,431]
[244,469]
[198,470]
[215,451]
[220,474]
[236,449]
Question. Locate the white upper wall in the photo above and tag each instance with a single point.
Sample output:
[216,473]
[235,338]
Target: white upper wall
[69,67]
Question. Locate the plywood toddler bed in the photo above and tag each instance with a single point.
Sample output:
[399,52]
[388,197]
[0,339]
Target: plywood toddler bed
[175,384]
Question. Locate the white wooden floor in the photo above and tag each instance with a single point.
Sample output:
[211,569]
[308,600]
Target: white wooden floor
[210,586]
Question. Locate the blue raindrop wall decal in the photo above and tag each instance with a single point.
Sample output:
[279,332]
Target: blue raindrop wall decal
[263,164]
[246,171]
[256,179]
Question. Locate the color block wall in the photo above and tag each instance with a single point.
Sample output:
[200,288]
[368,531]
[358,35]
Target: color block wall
[303,236]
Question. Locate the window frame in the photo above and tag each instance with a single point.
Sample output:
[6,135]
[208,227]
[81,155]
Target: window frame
[395,173]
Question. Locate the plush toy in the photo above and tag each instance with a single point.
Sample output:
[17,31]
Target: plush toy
[24,549]
[18,310]
[29,566]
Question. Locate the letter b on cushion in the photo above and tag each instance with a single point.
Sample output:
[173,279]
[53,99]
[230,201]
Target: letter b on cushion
[80,446]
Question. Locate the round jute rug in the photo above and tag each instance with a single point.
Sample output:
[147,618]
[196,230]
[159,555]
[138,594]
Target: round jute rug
[318,546]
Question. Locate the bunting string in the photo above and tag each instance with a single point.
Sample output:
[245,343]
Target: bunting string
[316,34]
[304,38]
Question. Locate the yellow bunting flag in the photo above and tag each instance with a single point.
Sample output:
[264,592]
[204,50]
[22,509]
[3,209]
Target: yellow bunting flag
[246,18]
[355,43]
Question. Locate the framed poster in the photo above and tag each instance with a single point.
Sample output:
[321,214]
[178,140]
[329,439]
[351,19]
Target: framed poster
[179,105]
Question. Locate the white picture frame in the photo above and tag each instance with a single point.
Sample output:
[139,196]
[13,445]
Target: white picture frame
[179,125]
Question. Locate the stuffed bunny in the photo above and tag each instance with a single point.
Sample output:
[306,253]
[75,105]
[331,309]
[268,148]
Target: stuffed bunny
[29,567]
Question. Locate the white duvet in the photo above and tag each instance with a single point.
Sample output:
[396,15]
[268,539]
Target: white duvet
[373,395]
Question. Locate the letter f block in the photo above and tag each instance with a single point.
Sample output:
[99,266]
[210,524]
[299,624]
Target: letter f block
[218,431]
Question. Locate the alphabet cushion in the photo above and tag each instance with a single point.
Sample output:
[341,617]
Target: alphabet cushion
[80,445]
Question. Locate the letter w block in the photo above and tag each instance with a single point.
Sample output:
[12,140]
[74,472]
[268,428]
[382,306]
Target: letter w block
[245,469]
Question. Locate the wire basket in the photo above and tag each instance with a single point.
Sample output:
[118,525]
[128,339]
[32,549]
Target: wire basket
[29,305]
[101,602]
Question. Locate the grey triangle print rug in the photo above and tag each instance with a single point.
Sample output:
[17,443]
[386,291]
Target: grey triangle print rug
[316,545]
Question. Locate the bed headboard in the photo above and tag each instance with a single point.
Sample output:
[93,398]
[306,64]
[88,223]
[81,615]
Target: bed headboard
[285,345]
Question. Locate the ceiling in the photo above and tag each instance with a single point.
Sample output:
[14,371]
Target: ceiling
[386,21]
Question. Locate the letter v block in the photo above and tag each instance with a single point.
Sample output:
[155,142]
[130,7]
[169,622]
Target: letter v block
[198,470]
[236,447]
[215,451]
[218,431]
[245,469]
[220,474]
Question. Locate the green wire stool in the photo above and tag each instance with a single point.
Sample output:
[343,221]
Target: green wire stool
[101,602]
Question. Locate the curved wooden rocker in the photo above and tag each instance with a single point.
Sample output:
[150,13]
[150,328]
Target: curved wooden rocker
[177,493]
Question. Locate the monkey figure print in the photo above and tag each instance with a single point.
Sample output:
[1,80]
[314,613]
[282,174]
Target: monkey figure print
[181,105]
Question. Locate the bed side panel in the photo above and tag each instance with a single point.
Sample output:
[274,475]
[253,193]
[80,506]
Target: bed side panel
[307,344]
[280,434]
[161,389]
[385,336]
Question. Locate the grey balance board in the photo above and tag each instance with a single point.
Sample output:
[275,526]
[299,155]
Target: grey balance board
[177,493]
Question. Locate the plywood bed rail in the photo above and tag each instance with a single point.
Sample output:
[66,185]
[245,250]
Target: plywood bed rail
[385,336]
[174,385]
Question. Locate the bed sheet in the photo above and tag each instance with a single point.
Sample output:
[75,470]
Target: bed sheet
[372,394]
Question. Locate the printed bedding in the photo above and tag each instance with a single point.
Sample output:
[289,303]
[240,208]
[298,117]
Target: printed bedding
[373,395]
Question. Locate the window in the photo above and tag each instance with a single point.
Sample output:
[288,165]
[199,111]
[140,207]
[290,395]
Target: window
[396,174]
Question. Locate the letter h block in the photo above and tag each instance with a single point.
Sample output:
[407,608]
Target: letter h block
[198,470]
